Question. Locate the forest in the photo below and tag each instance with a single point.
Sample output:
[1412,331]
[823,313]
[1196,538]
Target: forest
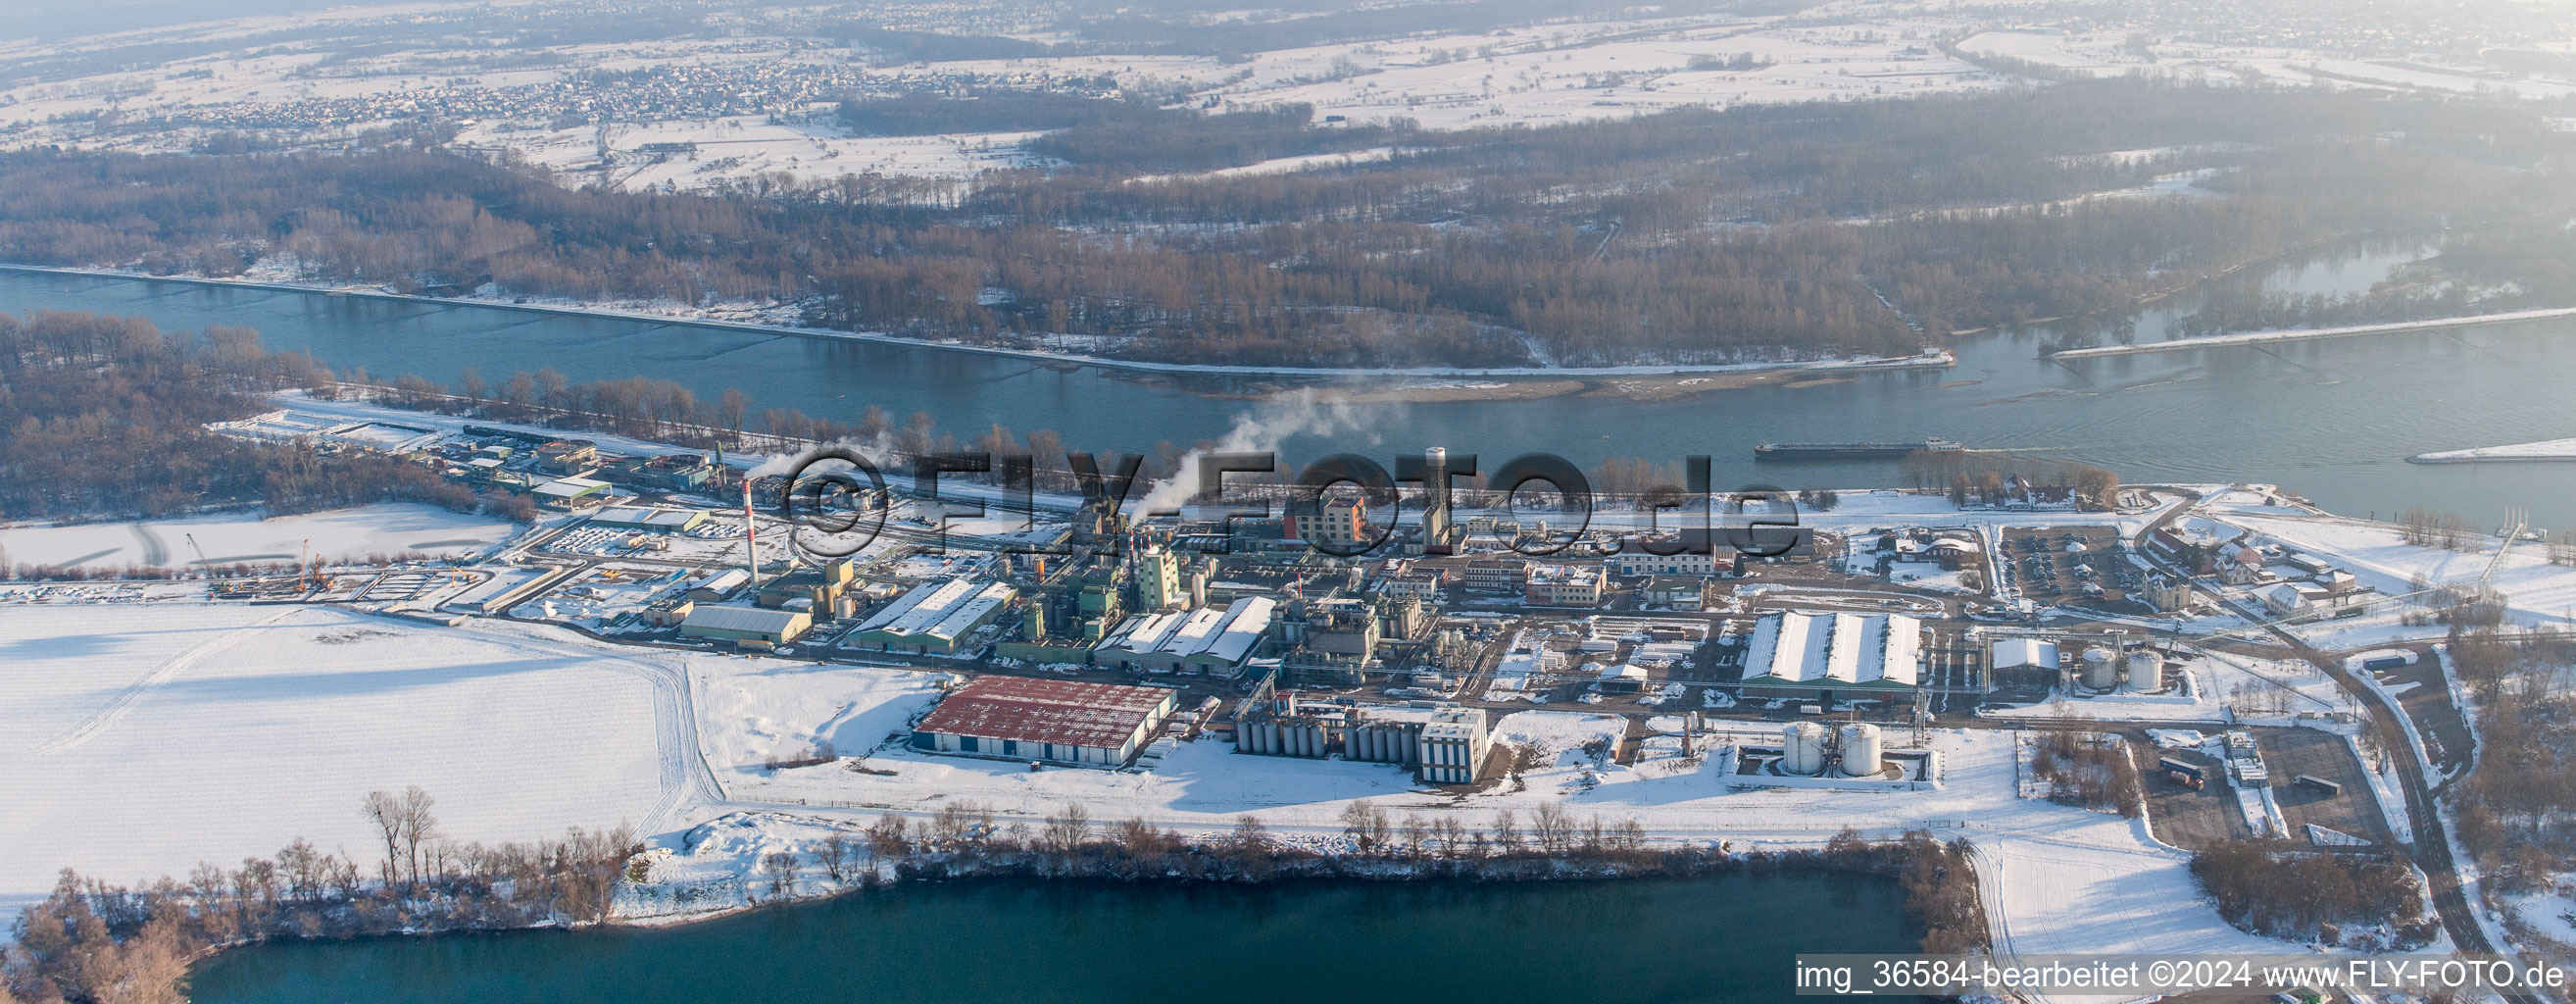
[2513,810]
[1748,234]
[107,415]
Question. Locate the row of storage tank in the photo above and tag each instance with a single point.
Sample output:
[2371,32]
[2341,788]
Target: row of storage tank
[2100,668]
[1803,749]
[1318,736]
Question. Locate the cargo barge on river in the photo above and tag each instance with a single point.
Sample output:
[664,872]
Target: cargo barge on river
[1854,451]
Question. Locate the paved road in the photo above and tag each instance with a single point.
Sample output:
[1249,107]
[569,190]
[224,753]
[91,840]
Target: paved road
[2432,845]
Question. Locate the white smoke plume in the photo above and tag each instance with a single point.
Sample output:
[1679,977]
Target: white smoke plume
[1261,429]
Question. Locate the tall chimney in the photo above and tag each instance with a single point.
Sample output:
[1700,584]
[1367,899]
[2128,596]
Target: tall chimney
[750,535]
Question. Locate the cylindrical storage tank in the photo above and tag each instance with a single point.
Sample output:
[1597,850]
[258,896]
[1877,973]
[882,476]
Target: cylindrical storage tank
[2101,668]
[1860,750]
[2146,670]
[1803,748]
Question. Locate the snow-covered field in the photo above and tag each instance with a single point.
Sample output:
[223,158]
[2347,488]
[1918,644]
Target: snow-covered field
[141,739]
[342,534]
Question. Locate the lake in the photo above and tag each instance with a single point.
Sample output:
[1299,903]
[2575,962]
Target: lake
[1719,940]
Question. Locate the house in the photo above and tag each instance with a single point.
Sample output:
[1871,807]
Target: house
[1053,721]
[2291,599]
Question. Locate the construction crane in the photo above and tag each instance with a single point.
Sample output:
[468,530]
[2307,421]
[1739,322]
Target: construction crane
[207,566]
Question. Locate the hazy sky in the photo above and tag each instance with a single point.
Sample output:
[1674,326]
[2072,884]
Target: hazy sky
[58,18]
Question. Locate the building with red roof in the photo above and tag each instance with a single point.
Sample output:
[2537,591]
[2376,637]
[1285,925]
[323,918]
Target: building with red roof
[1056,721]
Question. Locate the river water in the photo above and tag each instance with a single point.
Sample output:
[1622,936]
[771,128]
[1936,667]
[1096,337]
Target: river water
[2331,419]
[1719,940]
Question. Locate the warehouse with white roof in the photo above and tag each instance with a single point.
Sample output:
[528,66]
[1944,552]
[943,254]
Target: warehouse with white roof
[935,618]
[1824,656]
[1205,640]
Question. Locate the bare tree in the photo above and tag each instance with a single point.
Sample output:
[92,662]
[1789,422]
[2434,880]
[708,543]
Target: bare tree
[384,810]
[834,854]
[418,825]
[780,867]
[1066,831]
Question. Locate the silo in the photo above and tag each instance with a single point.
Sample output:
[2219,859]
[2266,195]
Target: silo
[1803,748]
[2101,668]
[1860,750]
[2146,670]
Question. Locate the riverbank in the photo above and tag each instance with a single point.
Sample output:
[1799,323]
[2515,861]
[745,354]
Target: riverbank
[2311,334]
[1438,375]
[2544,451]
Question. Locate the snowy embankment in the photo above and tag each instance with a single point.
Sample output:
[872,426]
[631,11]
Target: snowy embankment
[2306,334]
[676,313]
[2544,450]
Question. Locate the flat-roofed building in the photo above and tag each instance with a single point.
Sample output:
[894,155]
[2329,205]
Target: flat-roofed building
[1056,721]
[1338,526]
[1841,655]
[1564,586]
[775,627]
[656,520]
[571,493]
[1494,575]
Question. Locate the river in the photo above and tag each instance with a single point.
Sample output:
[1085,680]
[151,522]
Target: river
[2331,419]
[1718,940]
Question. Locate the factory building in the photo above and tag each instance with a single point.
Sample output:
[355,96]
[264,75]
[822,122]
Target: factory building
[650,519]
[1634,563]
[746,624]
[1203,640]
[2029,662]
[1563,586]
[933,619]
[1821,656]
[1494,575]
[717,586]
[570,493]
[1338,526]
[1056,721]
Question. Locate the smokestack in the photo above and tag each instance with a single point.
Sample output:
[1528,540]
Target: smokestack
[750,536]
[1435,502]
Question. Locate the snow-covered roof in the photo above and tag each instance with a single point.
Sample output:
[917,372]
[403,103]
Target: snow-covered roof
[940,610]
[1847,648]
[756,619]
[2014,652]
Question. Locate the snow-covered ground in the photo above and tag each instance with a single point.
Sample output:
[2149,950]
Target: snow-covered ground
[342,534]
[141,739]
[2063,879]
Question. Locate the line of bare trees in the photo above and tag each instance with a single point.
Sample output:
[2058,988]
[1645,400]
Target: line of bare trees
[92,942]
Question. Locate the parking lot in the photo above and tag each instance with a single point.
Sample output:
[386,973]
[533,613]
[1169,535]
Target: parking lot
[2081,565]
[2289,753]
